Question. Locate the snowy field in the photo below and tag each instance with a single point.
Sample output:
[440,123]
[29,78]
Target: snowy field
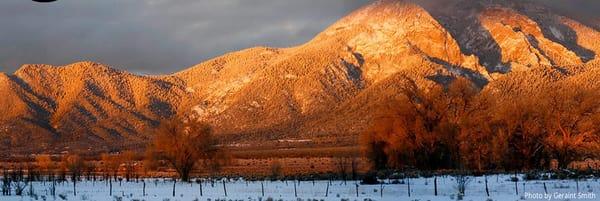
[422,189]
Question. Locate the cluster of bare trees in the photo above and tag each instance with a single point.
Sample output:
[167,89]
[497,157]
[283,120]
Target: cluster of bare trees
[460,126]
[347,167]
[44,168]
[184,143]
[128,164]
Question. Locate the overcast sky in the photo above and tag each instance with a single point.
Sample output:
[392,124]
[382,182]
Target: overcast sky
[155,36]
[163,36]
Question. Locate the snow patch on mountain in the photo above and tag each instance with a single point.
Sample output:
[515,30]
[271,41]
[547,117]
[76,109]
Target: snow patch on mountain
[557,33]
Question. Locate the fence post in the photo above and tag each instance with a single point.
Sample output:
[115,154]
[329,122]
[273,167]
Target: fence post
[435,185]
[295,191]
[31,188]
[516,184]
[53,188]
[408,178]
[516,188]
[224,188]
[487,190]
[74,186]
[200,187]
[174,182]
[327,190]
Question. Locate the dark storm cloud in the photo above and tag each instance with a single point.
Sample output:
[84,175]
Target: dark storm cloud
[585,11]
[584,7]
[155,36]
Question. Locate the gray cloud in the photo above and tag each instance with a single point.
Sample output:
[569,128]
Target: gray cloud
[585,11]
[155,36]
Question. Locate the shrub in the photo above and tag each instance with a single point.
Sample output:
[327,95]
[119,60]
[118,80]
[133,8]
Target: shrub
[370,179]
[532,175]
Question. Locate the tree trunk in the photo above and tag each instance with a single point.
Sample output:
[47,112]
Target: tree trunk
[184,173]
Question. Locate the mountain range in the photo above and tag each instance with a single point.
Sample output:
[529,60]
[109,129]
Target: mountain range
[327,90]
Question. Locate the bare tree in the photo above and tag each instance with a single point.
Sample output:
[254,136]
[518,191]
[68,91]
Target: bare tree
[342,165]
[75,165]
[354,167]
[128,159]
[214,164]
[150,162]
[182,143]
[462,180]
[45,164]
[90,169]
[571,116]
[276,170]
[110,165]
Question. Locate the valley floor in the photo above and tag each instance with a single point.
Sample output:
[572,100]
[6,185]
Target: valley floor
[501,188]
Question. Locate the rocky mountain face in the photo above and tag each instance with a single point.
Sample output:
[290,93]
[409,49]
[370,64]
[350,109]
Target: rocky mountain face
[328,89]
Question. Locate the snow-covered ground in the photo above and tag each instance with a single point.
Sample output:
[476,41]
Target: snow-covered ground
[422,189]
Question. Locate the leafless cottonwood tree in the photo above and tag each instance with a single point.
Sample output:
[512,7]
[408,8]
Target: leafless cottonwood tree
[128,159]
[45,164]
[150,163]
[571,117]
[110,166]
[90,170]
[276,170]
[182,143]
[342,166]
[75,165]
